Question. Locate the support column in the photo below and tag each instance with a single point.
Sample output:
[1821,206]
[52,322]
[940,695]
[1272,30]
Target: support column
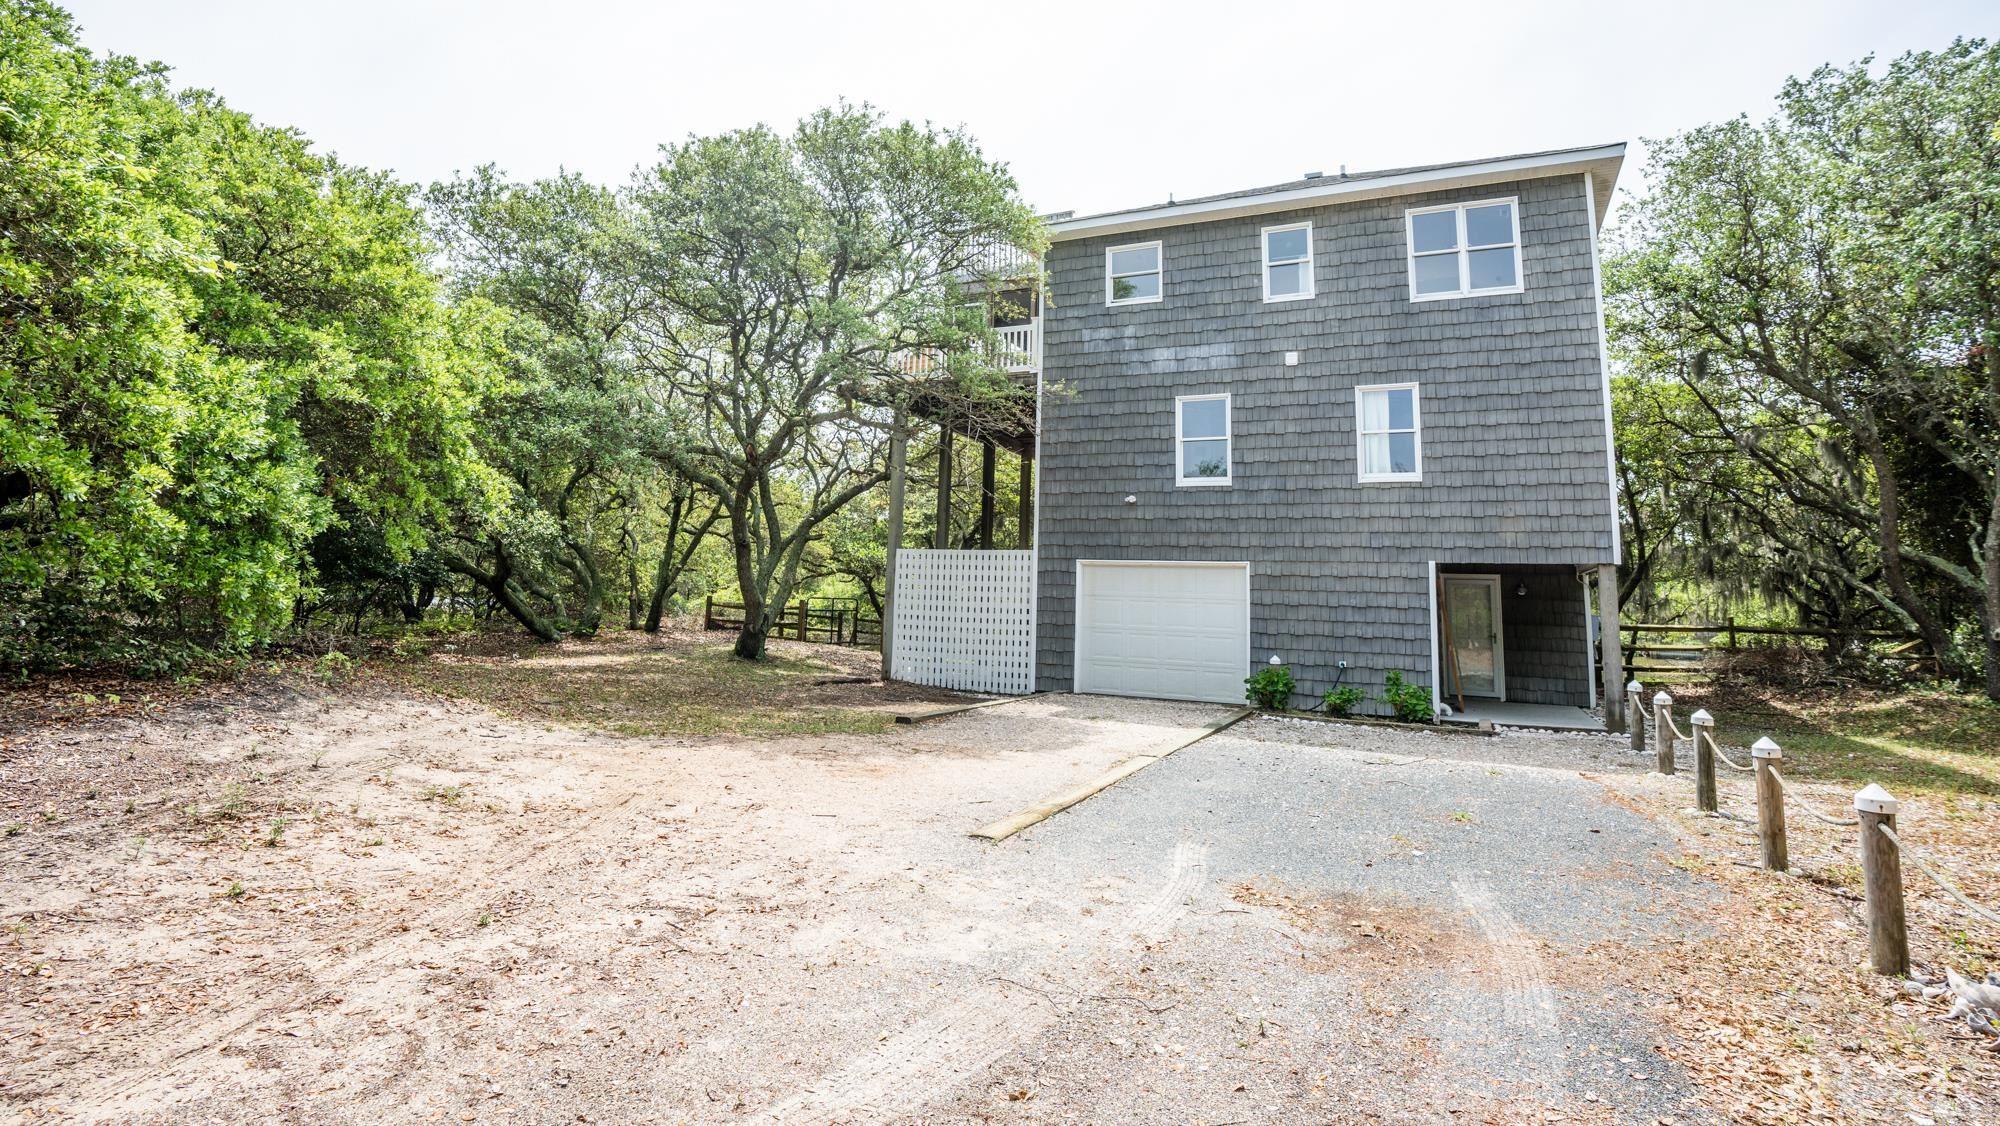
[1613,658]
[1027,513]
[899,457]
[986,495]
[942,538]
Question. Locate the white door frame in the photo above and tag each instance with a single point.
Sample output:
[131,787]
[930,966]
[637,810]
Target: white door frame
[1492,582]
[1076,606]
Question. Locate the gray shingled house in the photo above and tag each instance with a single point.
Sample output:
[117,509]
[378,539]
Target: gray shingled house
[1358,423]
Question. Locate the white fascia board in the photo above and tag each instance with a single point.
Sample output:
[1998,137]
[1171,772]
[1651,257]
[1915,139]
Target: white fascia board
[1603,163]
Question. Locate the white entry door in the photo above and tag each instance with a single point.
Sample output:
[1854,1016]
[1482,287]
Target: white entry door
[1478,645]
[1178,631]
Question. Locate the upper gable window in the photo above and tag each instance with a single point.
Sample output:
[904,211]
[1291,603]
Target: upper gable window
[1132,274]
[1288,262]
[1464,249]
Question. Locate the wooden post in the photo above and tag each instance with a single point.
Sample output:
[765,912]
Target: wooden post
[1612,658]
[942,539]
[1764,757]
[1635,715]
[1663,730]
[802,619]
[899,456]
[1027,511]
[1882,881]
[1704,760]
[708,612]
[986,495]
[1450,648]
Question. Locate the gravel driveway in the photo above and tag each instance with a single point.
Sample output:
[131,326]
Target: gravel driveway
[1381,925]
[476,919]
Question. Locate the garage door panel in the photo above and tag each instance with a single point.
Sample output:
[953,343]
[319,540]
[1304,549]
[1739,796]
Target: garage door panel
[1171,630]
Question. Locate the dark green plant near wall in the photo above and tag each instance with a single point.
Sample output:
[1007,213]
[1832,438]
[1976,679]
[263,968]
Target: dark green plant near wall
[1410,702]
[1270,688]
[1342,700]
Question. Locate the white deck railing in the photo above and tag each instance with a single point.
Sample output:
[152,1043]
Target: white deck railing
[1001,260]
[1019,349]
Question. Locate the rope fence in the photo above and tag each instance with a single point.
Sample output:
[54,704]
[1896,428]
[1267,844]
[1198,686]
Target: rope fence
[1950,888]
[1800,804]
[1881,850]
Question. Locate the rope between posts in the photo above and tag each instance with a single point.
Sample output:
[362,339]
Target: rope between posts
[1676,729]
[1840,822]
[1927,870]
[1726,760]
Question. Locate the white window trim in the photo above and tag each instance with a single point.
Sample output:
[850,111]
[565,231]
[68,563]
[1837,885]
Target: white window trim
[1264,246]
[1410,250]
[1160,261]
[1361,435]
[1228,444]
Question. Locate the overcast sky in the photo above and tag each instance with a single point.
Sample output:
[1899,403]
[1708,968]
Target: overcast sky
[1094,107]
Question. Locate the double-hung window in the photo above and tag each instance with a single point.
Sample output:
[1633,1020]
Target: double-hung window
[1464,249]
[1201,440]
[1132,274]
[1288,262]
[1390,433]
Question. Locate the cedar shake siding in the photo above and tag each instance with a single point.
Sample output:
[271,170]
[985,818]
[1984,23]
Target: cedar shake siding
[1513,437]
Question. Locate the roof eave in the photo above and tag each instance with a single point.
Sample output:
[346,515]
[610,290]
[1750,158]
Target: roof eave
[1603,162]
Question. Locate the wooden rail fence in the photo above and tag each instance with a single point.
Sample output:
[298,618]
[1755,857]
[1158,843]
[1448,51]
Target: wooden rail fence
[1672,648]
[1880,850]
[831,620]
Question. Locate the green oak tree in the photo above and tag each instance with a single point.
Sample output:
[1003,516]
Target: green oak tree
[1825,286]
[214,343]
[792,281]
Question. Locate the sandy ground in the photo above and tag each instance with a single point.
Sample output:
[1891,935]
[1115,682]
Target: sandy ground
[387,909]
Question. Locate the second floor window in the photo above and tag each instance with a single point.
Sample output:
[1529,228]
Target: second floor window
[1464,249]
[1288,262]
[1391,442]
[1201,439]
[1132,274]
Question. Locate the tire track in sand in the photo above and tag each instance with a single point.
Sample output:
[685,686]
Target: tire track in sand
[960,1040]
[1528,1005]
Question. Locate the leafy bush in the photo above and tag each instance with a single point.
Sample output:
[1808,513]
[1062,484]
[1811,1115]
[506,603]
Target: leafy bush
[1270,688]
[1342,700]
[1410,702]
[333,667]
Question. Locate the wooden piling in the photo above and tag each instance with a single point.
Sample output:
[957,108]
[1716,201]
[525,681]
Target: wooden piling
[1764,757]
[1635,715]
[1703,726]
[1663,731]
[1882,883]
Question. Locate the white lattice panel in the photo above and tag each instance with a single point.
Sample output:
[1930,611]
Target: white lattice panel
[965,620]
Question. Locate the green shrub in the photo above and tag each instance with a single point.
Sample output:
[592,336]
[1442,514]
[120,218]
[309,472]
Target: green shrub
[1410,702]
[1342,700]
[1271,687]
[332,667]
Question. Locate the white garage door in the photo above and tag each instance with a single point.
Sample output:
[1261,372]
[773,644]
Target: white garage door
[1179,631]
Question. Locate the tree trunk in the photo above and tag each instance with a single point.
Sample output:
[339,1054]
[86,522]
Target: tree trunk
[941,537]
[499,583]
[750,640]
[1990,575]
[672,564]
[986,495]
[1889,539]
[663,576]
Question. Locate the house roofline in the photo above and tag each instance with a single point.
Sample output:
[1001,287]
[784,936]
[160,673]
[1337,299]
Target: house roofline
[1603,161]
